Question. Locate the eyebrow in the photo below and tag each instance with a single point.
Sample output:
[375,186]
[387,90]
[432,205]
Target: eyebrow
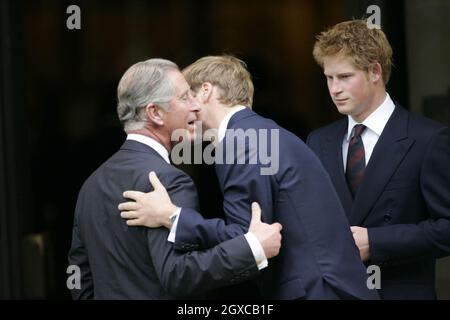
[340,74]
[184,93]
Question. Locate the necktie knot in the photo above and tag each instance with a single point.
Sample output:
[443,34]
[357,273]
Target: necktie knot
[358,130]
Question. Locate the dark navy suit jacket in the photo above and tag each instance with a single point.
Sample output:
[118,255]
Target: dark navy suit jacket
[318,257]
[121,262]
[404,199]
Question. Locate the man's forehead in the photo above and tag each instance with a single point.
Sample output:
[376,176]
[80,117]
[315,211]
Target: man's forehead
[337,58]
[338,63]
[179,83]
[182,88]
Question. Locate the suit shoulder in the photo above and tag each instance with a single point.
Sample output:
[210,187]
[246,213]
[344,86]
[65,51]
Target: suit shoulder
[256,121]
[174,174]
[137,166]
[167,173]
[425,130]
[419,122]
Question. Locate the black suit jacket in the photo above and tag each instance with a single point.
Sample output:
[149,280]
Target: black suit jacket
[404,199]
[121,262]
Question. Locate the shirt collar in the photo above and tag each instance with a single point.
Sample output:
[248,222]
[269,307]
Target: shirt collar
[375,121]
[152,143]
[224,123]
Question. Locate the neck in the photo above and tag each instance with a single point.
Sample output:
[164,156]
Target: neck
[155,134]
[376,101]
[216,117]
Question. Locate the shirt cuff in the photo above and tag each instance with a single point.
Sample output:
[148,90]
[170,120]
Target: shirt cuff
[173,230]
[257,250]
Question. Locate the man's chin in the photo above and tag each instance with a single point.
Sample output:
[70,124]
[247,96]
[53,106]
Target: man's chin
[186,139]
[344,110]
[192,137]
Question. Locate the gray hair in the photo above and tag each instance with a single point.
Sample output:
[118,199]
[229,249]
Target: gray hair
[143,83]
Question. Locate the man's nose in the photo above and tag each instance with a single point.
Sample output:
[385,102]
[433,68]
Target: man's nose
[334,87]
[194,104]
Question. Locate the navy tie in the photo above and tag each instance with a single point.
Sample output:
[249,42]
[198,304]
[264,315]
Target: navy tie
[356,159]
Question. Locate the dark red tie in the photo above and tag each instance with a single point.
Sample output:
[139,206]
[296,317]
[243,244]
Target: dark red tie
[356,159]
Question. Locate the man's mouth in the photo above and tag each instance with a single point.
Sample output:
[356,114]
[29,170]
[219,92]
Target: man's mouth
[191,124]
[340,101]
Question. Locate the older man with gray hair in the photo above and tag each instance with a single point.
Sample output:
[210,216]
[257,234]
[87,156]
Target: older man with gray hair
[118,262]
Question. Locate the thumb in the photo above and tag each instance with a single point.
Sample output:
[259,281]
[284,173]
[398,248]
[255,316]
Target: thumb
[256,213]
[157,185]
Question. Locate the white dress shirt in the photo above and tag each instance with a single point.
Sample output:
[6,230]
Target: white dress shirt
[152,143]
[375,124]
[224,123]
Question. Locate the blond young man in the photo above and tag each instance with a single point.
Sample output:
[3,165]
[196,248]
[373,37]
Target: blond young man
[388,166]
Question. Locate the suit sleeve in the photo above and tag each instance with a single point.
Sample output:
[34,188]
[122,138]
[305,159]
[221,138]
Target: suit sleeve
[242,184]
[194,232]
[194,272]
[78,256]
[431,237]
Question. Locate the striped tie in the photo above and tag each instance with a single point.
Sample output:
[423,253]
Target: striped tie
[356,159]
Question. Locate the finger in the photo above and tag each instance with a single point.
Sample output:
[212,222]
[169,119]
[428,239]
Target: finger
[278,225]
[128,206]
[128,214]
[133,195]
[256,212]
[353,229]
[134,222]
[157,185]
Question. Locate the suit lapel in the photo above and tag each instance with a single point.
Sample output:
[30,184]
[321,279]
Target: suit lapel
[391,148]
[332,161]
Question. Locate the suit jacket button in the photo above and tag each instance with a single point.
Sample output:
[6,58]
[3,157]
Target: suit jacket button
[387,217]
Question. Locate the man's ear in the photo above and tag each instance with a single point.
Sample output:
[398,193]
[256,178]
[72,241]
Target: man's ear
[376,72]
[205,91]
[154,114]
